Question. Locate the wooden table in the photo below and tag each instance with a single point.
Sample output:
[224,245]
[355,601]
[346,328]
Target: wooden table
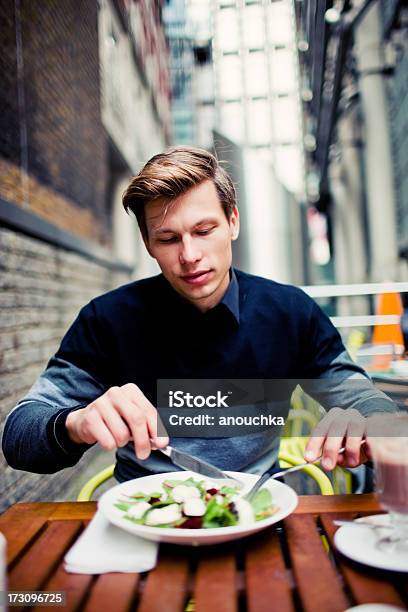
[285,568]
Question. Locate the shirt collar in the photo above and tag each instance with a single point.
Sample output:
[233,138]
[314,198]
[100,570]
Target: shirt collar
[230,300]
[231,296]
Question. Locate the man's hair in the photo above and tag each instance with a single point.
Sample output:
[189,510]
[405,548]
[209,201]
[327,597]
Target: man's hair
[170,174]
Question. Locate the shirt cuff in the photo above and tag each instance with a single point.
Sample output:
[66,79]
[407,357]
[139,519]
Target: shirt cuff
[374,405]
[58,435]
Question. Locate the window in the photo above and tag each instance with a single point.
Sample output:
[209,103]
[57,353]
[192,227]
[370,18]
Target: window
[227,32]
[229,77]
[256,75]
[232,121]
[259,122]
[253,26]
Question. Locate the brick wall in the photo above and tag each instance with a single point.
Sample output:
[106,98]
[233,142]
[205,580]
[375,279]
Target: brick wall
[42,289]
[46,203]
[50,120]
[56,163]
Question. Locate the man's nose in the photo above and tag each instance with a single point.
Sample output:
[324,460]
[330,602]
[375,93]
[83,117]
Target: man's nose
[189,252]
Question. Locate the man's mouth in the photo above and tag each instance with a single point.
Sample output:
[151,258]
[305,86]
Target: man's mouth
[197,278]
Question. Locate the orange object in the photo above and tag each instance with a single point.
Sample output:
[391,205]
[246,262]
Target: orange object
[387,304]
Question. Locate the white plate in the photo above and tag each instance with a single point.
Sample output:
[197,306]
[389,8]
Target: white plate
[374,607]
[282,496]
[359,544]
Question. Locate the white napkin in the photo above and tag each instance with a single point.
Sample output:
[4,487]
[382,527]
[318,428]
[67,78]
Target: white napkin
[103,548]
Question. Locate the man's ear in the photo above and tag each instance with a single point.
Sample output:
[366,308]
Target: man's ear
[234,223]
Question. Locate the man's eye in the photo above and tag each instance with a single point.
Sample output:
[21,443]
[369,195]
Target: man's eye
[167,240]
[204,231]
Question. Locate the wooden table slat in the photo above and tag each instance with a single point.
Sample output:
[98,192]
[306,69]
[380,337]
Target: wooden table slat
[39,534]
[80,511]
[215,585]
[37,564]
[318,584]
[20,524]
[308,504]
[353,502]
[113,591]
[267,580]
[365,586]
[75,586]
[167,584]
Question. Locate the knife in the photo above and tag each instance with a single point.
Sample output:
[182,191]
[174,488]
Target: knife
[193,464]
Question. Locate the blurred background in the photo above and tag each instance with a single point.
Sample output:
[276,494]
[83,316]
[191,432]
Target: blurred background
[305,100]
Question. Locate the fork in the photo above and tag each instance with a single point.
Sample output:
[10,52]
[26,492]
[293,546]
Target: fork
[270,474]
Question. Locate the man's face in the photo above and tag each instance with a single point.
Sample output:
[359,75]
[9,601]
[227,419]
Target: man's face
[192,243]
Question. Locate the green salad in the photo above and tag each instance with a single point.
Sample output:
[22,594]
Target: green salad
[196,504]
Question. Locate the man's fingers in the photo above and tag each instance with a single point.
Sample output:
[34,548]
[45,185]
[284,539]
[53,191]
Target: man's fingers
[334,442]
[366,452]
[317,438]
[355,433]
[137,423]
[314,447]
[134,417]
[337,429]
[140,420]
[356,430]
[141,438]
[341,459]
[121,414]
[151,418]
[94,428]
[116,425]
[136,396]
[159,442]
[352,452]
[331,450]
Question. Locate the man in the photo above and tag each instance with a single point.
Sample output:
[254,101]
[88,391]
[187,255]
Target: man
[198,319]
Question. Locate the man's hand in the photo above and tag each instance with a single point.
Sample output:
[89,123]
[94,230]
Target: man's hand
[337,429]
[119,415]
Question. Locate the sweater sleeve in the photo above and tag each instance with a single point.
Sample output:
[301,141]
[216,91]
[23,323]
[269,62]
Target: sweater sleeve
[34,437]
[331,376]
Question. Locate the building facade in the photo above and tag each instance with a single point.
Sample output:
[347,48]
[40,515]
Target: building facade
[84,95]
[353,57]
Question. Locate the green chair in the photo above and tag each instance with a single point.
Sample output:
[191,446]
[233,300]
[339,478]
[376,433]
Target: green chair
[304,416]
[297,418]
[285,460]
[313,471]
[93,483]
[341,478]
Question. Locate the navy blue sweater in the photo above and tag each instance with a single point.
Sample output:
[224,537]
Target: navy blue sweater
[145,331]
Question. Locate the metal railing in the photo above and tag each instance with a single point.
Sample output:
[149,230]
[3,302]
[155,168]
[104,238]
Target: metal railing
[363,289]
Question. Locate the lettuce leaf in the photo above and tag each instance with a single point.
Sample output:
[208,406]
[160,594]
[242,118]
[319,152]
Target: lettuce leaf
[218,515]
[169,485]
[262,504]
[139,496]
[123,506]
[261,501]
[226,490]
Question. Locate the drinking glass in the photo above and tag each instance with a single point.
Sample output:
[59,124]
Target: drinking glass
[388,442]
